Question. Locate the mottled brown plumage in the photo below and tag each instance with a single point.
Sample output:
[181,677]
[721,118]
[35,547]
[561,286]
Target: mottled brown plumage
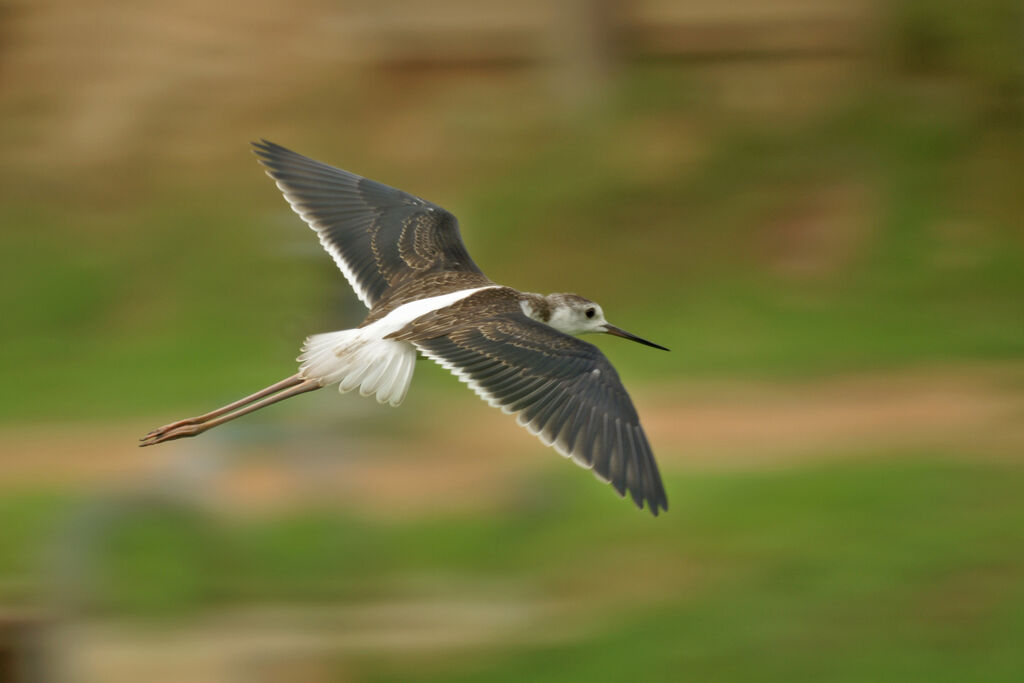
[431,284]
[480,306]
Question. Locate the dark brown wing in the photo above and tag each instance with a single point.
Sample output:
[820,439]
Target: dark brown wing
[561,388]
[380,237]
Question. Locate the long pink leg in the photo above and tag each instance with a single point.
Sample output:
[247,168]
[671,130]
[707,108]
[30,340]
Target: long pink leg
[292,386]
[272,389]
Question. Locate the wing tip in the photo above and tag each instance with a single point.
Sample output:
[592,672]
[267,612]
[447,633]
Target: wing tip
[650,494]
[261,145]
[265,150]
[268,152]
[656,501]
[656,504]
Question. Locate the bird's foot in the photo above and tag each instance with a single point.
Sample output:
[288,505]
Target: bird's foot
[169,432]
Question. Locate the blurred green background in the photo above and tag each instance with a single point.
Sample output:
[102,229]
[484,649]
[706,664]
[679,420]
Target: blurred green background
[819,206]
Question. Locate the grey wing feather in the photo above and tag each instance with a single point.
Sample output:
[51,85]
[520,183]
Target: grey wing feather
[562,389]
[380,237]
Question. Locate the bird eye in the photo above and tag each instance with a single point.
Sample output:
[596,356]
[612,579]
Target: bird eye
[590,312]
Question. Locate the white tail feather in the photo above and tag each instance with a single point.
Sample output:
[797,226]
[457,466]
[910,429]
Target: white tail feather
[366,358]
[358,358]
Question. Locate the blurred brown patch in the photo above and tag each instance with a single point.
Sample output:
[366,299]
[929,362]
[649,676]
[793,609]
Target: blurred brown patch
[972,411]
[484,459]
[818,231]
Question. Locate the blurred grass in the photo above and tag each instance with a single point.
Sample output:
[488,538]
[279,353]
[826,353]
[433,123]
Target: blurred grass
[207,288]
[904,566]
[878,227]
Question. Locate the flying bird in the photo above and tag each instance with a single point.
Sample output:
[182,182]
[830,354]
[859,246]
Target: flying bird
[405,259]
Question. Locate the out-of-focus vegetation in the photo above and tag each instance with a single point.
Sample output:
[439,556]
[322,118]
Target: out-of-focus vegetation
[883,234]
[879,227]
[780,219]
[843,572]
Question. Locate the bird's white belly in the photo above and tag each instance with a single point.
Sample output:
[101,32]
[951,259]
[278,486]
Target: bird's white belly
[363,358]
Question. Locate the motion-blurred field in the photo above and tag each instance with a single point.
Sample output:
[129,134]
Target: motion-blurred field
[903,567]
[831,244]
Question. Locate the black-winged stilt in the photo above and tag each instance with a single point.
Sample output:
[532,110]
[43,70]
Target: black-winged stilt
[406,261]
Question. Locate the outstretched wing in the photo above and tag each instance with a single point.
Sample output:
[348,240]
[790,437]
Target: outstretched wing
[561,388]
[380,237]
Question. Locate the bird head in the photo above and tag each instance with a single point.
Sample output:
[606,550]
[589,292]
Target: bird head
[574,314]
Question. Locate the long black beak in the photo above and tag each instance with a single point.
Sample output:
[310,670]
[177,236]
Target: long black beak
[619,332]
